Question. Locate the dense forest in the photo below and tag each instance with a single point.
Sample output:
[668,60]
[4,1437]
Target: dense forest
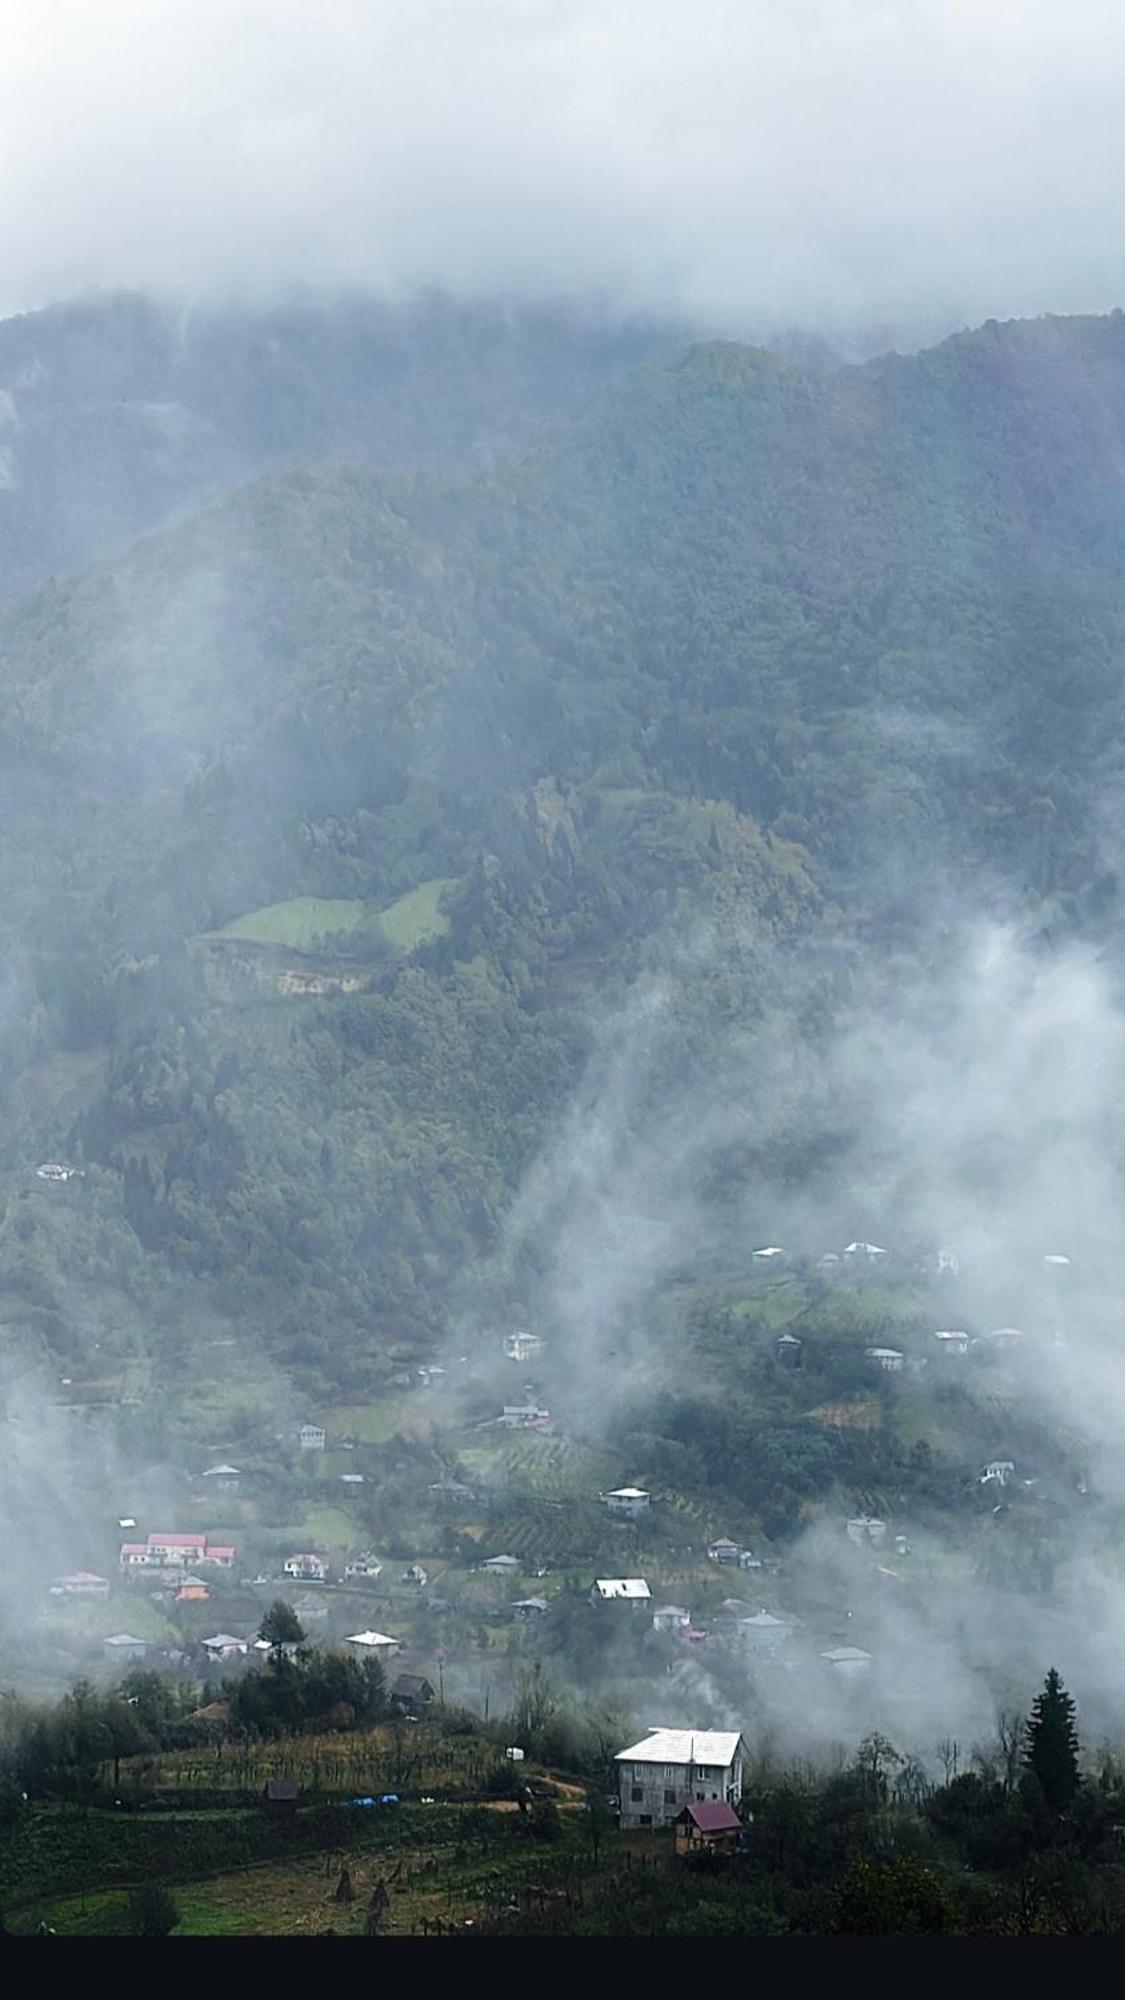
[741,643]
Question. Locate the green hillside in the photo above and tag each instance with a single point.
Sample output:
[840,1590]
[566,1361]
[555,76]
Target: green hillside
[740,648]
[306,922]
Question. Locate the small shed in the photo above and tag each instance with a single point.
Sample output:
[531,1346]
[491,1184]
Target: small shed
[280,1796]
[790,1350]
[709,1823]
[412,1691]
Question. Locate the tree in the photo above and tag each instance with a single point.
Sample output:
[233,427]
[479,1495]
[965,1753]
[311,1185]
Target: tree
[153,1911]
[1051,1744]
[281,1627]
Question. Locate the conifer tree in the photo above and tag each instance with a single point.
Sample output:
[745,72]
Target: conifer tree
[1051,1744]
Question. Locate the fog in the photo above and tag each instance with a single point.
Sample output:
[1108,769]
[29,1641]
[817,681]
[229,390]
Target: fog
[853,164]
[961,1094]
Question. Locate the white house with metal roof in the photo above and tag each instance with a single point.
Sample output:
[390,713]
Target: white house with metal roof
[627,1500]
[620,1589]
[673,1768]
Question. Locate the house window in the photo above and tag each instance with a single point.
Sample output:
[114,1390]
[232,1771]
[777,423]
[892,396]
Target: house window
[701,1798]
[638,1794]
[669,1796]
[646,1819]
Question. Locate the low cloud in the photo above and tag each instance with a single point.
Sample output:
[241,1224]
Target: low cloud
[853,163]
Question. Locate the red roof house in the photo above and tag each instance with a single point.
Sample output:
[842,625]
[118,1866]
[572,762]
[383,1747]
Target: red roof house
[709,1823]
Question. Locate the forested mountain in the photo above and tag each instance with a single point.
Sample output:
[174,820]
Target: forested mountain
[739,641]
[116,411]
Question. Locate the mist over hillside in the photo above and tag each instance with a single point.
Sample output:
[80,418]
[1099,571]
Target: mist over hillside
[502,852]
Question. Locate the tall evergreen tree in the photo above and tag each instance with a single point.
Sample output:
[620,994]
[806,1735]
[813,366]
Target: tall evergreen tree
[1051,1744]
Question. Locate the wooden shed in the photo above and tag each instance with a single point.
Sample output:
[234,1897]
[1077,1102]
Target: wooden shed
[710,1824]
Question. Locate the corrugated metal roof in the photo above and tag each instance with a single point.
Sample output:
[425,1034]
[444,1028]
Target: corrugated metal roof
[683,1746]
[713,1816]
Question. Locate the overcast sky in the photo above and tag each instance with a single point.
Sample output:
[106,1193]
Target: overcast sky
[744,161]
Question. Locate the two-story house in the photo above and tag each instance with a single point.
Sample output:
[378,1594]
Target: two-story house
[307,1568]
[673,1768]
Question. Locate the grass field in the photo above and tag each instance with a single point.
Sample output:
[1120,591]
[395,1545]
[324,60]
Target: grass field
[373,1423]
[456,1885]
[301,924]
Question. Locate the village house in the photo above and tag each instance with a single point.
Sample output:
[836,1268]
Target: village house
[621,1590]
[671,1618]
[451,1489]
[311,1437]
[193,1590]
[524,1417]
[415,1574]
[372,1645]
[864,1528]
[223,1557]
[351,1479]
[998,1472]
[890,1359]
[1054,1262]
[362,1569]
[848,1662]
[288,1648]
[310,1610]
[772,1254]
[763,1633]
[521,1346]
[947,1263]
[224,1478]
[224,1646]
[166,1551]
[306,1568]
[713,1825]
[430,1376]
[527,1610]
[123,1646]
[952,1342]
[723,1551]
[627,1500]
[863,1253]
[790,1350]
[81,1583]
[673,1768]
[501,1565]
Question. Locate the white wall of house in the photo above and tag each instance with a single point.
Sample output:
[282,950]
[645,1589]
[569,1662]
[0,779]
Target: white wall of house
[653,1794]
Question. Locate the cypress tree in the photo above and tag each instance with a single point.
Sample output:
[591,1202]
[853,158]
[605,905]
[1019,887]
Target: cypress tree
[1051,1744]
